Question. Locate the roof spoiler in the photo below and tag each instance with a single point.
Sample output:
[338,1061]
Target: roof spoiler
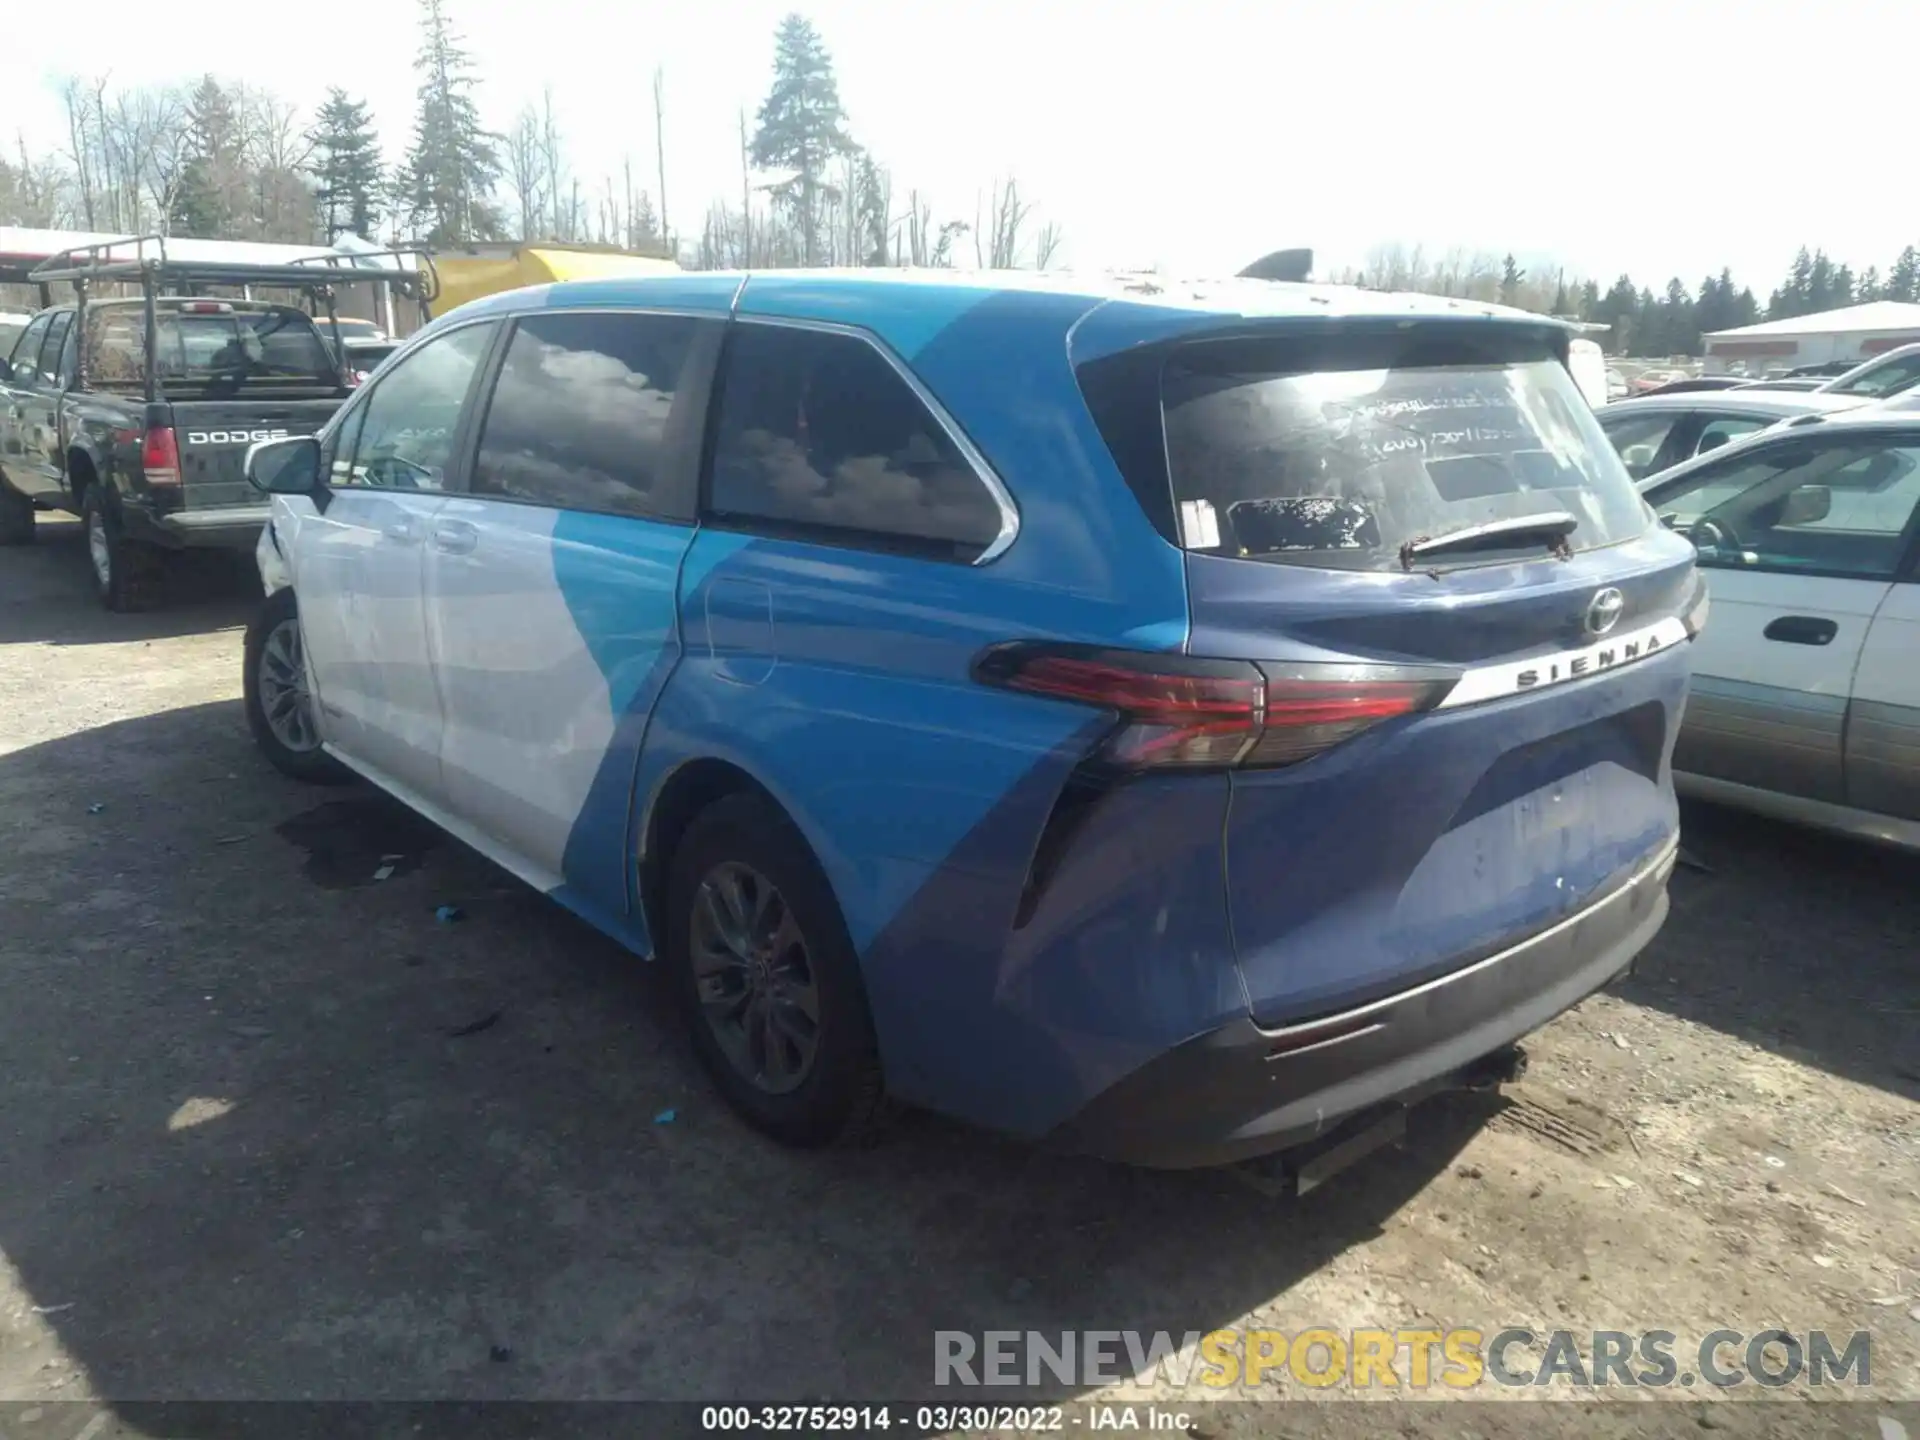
[1291,265]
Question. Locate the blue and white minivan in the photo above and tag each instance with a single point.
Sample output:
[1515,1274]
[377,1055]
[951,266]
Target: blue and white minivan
[1163,720]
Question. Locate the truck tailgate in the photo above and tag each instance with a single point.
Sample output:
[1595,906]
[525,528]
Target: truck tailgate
[214,436]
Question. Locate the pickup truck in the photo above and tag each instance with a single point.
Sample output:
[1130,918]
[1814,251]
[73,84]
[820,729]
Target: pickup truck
[139,420]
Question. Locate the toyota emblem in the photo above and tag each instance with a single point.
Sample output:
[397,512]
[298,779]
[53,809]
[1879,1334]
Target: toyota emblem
[1603,611]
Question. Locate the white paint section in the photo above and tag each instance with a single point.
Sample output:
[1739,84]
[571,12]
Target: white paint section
[528,715]
[1734,645]
[1889,669]
[358,573]
[1520,677]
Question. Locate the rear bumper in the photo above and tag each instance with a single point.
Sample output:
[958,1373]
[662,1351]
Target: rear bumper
[1242,1091]
[234,527]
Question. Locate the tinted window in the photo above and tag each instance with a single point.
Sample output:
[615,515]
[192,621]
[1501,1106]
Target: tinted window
[1722,429]
[52,348]
[1827,507]
[1302,453]
[595,412]
[405,426]
[1639,439]
[817,431]
[26,353]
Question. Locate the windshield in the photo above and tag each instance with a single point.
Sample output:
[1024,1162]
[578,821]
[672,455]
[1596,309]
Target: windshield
[1341,467]
[1883,377]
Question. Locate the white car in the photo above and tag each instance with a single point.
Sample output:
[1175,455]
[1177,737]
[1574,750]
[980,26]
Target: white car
[1806,681]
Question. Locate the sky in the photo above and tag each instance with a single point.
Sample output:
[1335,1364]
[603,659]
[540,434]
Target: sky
[1651,137]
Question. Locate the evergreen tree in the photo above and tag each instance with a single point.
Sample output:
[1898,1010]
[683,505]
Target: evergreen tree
[1819,294]
[1869,286]
[202,204]
[1589,299]
[454,161]
[1679,322]
[1512,277]
[1903,283]
[346,166]
[801,128]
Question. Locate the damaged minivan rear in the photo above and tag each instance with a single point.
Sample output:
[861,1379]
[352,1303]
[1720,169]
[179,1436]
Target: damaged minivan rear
[1436,658]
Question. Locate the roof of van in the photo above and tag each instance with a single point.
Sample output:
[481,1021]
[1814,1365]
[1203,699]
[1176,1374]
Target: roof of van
[909,308]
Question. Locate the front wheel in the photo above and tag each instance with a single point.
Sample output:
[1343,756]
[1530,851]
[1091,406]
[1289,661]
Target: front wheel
[278,703]
[768,979]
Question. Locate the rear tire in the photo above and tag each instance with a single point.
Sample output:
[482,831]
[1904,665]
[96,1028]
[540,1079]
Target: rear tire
[806,1080]
[127,576]
[278,705]
[16,516]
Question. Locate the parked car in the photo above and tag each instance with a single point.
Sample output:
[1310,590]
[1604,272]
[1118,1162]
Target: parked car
[1786,382]
[1697,382]
[136,413]
[363,357]
[150,455]
[1883,376]
[1616,384]
[1826,369]
[882,655]
[1656,432]
[1806,695]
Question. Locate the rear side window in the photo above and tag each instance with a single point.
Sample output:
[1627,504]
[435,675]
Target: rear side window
[820,436]
[599,412]
[1639,440]
[1295,452]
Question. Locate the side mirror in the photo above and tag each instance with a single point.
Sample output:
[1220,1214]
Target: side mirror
[285,467]
[1807,505]
[6,371]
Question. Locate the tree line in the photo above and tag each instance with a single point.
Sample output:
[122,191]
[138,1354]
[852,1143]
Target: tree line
[1670,321]
[221,160]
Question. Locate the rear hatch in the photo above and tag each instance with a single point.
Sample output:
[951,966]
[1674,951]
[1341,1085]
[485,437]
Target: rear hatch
[1472,633]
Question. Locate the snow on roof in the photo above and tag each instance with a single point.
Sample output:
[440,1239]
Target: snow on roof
[1874,315]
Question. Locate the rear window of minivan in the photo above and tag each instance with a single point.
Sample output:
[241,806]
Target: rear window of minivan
[1336,454]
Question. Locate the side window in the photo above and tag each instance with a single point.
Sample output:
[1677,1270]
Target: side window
[599,412]
[403,435]
[336,457]
[56,344]
[26,353]
[1638,439]
[818,434]
[1721,429]
[1832,508]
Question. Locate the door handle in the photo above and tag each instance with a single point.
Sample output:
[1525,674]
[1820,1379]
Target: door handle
[1802,630]
[405,530]
[454,537]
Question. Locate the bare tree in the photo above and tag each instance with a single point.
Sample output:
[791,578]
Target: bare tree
[524,152]
[1046,244]
[1006,214]
[660,148]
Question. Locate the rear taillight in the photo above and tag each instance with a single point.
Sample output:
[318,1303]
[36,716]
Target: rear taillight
[1178,711]
[160,456]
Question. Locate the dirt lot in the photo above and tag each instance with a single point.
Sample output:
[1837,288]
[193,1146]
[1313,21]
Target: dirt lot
[245,1151]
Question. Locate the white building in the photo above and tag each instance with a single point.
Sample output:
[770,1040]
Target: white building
[1856,333]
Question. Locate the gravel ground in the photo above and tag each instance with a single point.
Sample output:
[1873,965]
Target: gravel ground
[246,1151]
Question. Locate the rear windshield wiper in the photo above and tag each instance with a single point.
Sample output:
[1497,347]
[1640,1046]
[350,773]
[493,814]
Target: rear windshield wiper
[1550,527]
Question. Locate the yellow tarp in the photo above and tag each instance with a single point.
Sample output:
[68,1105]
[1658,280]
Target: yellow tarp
[467,277]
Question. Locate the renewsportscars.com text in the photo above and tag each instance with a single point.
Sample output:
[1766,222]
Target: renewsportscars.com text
[1403,1359]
